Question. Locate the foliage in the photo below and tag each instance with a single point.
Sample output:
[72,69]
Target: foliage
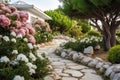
[114,54]
[74,32]
[43,32]
[59,21]
[118,34]
[84,42]
[102,14]
[85,28]
[93,33]
[18,50]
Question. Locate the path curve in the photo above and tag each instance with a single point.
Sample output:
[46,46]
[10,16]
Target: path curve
[66,69]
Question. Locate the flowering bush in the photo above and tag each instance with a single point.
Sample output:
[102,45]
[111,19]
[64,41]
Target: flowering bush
[84,42]
[43,31]
[19,59]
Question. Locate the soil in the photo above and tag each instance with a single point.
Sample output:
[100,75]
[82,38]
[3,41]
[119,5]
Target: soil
[101,54]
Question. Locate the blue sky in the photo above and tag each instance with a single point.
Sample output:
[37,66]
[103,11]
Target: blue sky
[43,4]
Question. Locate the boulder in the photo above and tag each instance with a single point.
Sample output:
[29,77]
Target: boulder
[63,54]
[89,50]
[97,47]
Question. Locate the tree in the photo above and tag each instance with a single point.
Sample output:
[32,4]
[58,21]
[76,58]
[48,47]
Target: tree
[103,14]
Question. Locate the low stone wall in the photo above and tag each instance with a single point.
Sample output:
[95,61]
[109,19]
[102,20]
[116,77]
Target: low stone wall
[108,69]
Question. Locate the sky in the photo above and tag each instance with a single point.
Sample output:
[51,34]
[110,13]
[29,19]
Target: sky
[43,4]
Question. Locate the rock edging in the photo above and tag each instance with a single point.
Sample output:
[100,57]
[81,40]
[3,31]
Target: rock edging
[108,69]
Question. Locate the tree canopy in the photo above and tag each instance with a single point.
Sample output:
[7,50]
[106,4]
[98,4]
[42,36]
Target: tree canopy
[103,14]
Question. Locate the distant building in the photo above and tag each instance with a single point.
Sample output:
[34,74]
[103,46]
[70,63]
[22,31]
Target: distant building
[32,10]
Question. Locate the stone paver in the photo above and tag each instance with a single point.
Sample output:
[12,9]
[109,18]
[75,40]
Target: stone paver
[66,69]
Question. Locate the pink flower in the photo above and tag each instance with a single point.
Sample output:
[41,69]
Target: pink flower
[6,9]
[17,23]
[31,39]
[1,12]
[13,9]
[26,30]
[4,21]
[21,31]
[15,15]
[31,29]
[23,16]
[2,5]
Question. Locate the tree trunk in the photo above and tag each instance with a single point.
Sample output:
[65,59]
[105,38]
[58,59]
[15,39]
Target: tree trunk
[113,37]
[106,42]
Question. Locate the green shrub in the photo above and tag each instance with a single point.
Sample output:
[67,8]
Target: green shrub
[93,33]
[59,22]
[114,54]
[74,32]
[85,28]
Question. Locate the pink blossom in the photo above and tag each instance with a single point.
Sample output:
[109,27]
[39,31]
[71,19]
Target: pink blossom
[31,29]
[1,12]
[15,15]
[21,31]
[40,22]
[17,23]
[23,16]
[26,30]
[2,5]
[13,9]
[6,9]
[4,21]
[48,27]
[31,39]
[14,30]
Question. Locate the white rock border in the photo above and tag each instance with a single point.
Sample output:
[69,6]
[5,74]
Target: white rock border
[108,69]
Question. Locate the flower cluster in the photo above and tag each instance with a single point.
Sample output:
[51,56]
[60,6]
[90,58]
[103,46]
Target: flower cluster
[15,21]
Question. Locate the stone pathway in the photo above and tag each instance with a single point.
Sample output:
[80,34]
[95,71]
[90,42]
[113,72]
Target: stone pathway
[66,69]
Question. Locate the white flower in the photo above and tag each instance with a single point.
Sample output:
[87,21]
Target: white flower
[13,33]
[0,36]
[19,36]
[31,71]
[15,52]
[40,55]
[32,56]
[14,62]
[6,38]
[13,40]
[4,59]
[25,39]
[31,68]
[30,45]
[18,77]
[22,57]
[36,46]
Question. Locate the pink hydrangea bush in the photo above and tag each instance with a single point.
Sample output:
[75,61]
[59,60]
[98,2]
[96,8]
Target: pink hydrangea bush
[18,49]
[43,31]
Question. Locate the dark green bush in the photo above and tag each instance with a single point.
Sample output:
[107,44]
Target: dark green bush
[93,33]
[85,28]
[114,54]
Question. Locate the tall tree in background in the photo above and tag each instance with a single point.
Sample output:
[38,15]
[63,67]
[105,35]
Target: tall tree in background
[103,14]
